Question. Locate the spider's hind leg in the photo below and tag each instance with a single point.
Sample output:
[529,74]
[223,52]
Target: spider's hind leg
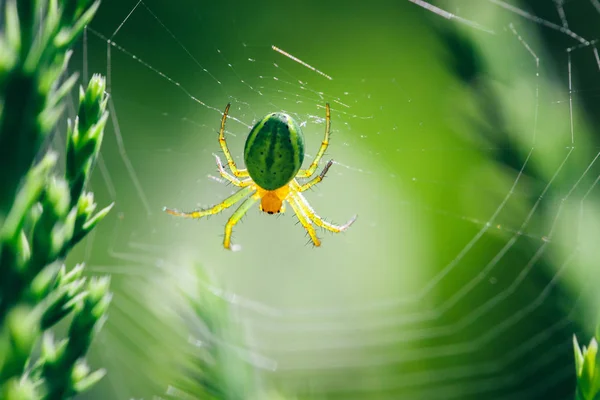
[304,220]
[228,176]
[316,219]
[235,218]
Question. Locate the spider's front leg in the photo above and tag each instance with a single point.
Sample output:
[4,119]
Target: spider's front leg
[229,177]
[228,202]
[305,173]
[240,173]
[315,180]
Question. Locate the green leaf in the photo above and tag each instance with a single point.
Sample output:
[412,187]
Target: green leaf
[18,389]
[91,224]
[62,301]
[21,331]
[88,381]
[13,34]
[578,356]
[51,231]
[63,90]
[29,194]
[66,37]
[43,283]
[589,369]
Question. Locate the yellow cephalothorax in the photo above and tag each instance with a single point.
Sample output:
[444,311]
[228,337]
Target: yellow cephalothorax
[273,154]
[272,200]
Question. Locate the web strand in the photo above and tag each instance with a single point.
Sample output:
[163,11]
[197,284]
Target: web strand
[448,15]
[539,20]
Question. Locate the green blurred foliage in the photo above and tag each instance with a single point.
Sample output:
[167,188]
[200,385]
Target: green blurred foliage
[43,212]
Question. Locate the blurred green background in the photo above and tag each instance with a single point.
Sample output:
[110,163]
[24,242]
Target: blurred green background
[470,168]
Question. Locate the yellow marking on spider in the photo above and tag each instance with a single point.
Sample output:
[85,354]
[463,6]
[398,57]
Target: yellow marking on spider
[272,200]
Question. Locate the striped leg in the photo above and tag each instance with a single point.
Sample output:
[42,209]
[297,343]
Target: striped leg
[228,202]
[304,220]
[235,218]
[315,180]
[240,173]
[312,215]
[305,173]
[229,177]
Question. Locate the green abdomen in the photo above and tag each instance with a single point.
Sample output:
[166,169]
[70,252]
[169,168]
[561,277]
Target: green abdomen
[274,151]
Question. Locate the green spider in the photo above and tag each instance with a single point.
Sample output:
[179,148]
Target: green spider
[273,154]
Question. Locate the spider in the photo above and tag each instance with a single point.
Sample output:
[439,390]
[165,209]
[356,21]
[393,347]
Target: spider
[273,154]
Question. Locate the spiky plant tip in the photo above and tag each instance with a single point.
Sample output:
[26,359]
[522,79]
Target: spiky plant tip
[89,315]
[82,379]
[62,367]
[92,102]
[62,301]
[76,15]
[84,136]
[587,369]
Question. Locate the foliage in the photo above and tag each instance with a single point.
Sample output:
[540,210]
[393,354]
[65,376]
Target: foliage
[218,366]
[44,213]
[215,368]
[587,369]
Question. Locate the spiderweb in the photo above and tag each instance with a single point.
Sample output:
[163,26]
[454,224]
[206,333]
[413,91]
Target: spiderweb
[461,138]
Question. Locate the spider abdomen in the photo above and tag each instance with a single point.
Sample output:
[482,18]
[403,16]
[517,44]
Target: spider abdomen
[274,151]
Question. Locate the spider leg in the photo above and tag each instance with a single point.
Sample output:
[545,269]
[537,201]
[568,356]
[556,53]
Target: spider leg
[237,215]
[314,217]
[229,177]
[240,173]
[315,180]
[228,202]
[305,173]
[304,220]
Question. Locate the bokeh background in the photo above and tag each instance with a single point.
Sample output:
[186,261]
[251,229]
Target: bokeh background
[465,142]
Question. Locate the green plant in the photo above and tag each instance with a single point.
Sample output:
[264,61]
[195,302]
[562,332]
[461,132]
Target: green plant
[218,365]
[587,369]
[214,368]
[44,213]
